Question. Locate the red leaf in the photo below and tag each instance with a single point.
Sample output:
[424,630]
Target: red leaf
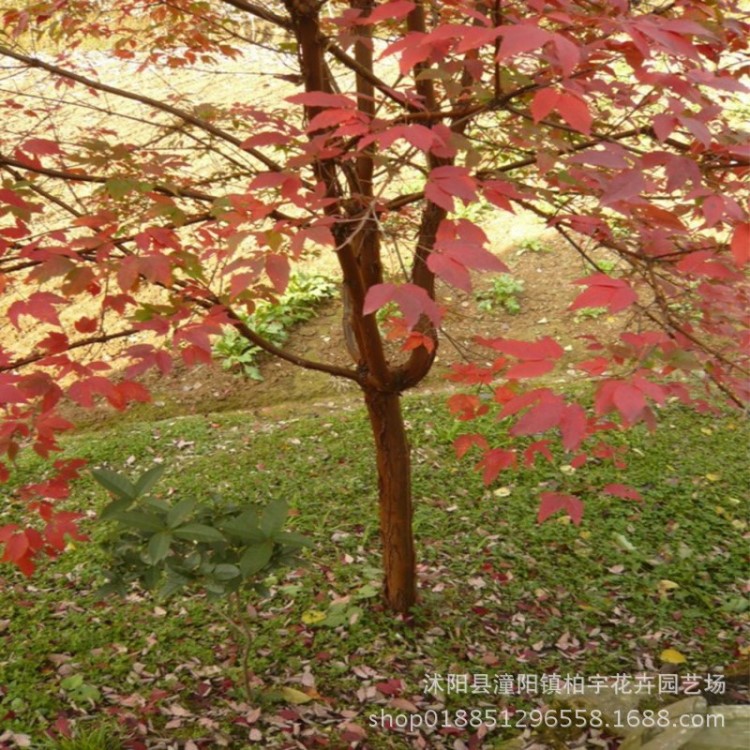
[9,394]
[450,270]
[630,402]
[622,490]
[595,366]
[551,502]
[157,269]
[573,425]
[522,37]
[413,301]
[579,460]
[741,244]
[265,139]
[545,100]
[448,181]
[415,339]
[500,194]
[466,407]
[463,443]
[532,369]
[544,348]
[321,99]
[40,305]
[277,268]
[389,11]
[604,291]
[624,187]
[86,325]
[11,198]
[575,112]
[391,687]
[41,147]
[512,404]
[540,446]
[568,54]
[472,255]
[540,418]
[663,126]
[195,355]
[438,196]
[132,391]
[16,547]
[495,461]
[127,273]
[54,342]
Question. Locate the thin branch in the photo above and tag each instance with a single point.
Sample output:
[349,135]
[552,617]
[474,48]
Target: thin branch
[82,177]
[100,339]
[145,100]
[267,346]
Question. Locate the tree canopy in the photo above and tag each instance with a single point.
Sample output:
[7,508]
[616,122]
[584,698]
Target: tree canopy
[167,214]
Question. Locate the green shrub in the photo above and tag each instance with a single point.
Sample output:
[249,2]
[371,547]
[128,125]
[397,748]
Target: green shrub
[223,550]
[503,293]
[273,321]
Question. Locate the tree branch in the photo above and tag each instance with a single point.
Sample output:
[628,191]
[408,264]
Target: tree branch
[82,177]
[145,100]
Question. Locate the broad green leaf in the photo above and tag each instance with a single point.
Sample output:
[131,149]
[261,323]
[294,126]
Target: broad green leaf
[180,512]
[158,546]
[173,584]
[116,506]
[115,483]
[256,558]
[148,479]
[198,532]
[273,517]
[89,693]
[245,530]
[225,572]
[157,504]
[72,682]
[338,614]
[113,587]
[140,520]
[368,591]
[292,538]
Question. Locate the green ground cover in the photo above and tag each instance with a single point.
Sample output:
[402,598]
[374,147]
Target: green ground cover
[638,587]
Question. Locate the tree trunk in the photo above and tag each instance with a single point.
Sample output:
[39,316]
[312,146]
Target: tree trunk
[394,485]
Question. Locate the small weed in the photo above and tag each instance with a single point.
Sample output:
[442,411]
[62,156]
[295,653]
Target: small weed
[503,293]
[601,265]
[274,322]
[589,313]
[79,691]
[532,246]
[100,737]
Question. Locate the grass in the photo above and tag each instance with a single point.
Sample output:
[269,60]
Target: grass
[500,594]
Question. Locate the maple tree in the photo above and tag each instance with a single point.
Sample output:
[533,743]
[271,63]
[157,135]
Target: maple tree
[614,122]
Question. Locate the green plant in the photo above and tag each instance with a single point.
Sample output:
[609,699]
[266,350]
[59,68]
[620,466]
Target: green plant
[532,246]
[273,321]
[223,550]
[504,293]
[601,265]
[79,691]
[589,313]
[99,737]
